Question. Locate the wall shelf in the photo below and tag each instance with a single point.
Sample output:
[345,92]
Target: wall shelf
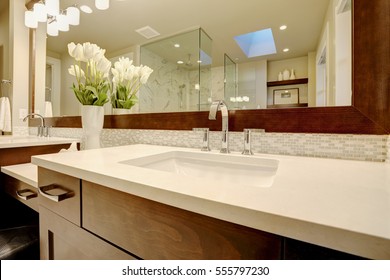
[287,82]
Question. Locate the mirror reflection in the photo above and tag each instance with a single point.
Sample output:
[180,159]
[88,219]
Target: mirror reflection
[181,80]
[312,56]
[5,81]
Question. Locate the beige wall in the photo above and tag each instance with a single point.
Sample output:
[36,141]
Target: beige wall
[40,68]
[252,82]
[330,22]
[4,43]
[299,65]
[19,61]
[311,71]
[69,103]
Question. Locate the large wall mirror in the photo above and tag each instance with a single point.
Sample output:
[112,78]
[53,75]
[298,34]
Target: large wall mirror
[4,49]
[310,37]
[317,37]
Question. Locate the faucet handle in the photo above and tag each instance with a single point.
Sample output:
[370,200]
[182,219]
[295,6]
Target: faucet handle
[247,139]
[205,141]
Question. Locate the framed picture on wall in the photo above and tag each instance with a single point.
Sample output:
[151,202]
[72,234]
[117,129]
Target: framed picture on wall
[286,96]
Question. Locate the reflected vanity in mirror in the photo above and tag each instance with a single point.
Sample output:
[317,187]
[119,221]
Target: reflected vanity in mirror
[358,118]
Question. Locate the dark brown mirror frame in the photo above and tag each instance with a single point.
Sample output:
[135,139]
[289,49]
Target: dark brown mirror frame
[369,114]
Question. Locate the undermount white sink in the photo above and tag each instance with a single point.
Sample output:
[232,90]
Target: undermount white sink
[225,168]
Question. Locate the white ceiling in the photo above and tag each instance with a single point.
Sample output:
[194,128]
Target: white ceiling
[114,29]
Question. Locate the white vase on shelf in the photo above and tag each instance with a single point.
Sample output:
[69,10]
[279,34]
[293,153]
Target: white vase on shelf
[121,111]
[286,74]
[280,76]
[292,76]
[92,119]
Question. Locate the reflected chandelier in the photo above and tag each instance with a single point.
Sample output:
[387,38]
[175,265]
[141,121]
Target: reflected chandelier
[57,20]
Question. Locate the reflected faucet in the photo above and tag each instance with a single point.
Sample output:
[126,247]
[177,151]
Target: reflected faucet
[221,105]
[42,129]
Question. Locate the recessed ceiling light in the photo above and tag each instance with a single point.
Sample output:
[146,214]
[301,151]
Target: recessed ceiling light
[176,45]
[199,61]
[86,9]
[180,62]
[283,27]
[286,49]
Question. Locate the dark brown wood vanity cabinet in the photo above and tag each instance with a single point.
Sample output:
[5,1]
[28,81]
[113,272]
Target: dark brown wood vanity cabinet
[151,230]
[21,191]
[95,222]
[299,250]
[61,234]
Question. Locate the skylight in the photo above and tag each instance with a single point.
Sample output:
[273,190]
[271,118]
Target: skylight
[257,43]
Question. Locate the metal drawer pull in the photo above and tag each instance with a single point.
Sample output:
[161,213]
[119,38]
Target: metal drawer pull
[26,194]
[55,197]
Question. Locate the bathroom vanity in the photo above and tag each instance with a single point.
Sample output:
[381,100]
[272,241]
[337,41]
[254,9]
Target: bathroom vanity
[17,150]
[19,194]
[121,199]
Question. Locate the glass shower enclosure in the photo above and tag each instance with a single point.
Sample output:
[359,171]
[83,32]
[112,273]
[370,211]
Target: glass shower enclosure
[181,78]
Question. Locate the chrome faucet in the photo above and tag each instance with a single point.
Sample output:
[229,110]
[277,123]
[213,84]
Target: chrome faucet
[247,140]
[42,129]
[205,141]
[221,105]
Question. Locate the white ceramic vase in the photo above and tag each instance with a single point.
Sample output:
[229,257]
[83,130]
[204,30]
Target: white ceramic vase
[292,76]
[286,74]
[121,111]
[92,119]
[280,76]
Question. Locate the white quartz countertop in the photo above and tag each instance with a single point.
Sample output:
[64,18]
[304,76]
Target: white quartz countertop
[28,141]
[340,204]
[25,172]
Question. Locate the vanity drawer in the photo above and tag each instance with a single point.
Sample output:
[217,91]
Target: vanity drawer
[152,230]
[62,240]
[23,192]
[60,193]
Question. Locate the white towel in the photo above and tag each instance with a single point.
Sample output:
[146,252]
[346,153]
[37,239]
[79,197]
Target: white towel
[48,109]
[5,115]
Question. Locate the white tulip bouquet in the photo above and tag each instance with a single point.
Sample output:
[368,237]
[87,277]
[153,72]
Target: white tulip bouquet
[127,80]
[91,70]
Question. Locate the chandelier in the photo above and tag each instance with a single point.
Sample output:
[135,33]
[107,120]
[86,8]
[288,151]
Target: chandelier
[56,19]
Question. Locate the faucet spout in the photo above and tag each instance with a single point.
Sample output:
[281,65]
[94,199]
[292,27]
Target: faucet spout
[35,114]
[42,129]
[221,105]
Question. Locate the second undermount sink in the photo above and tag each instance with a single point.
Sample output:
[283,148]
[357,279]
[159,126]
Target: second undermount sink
[225,168]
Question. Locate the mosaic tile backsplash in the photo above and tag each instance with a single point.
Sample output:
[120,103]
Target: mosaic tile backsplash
[339,146]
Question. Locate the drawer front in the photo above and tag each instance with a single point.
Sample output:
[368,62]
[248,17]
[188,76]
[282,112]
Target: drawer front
[23,192]
[152,230]
[60,193]
[62,240]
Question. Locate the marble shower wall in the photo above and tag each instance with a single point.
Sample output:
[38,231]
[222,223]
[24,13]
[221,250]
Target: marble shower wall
[174,88]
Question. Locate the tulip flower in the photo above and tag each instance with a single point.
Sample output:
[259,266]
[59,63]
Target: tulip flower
[127,80]
[91,70]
